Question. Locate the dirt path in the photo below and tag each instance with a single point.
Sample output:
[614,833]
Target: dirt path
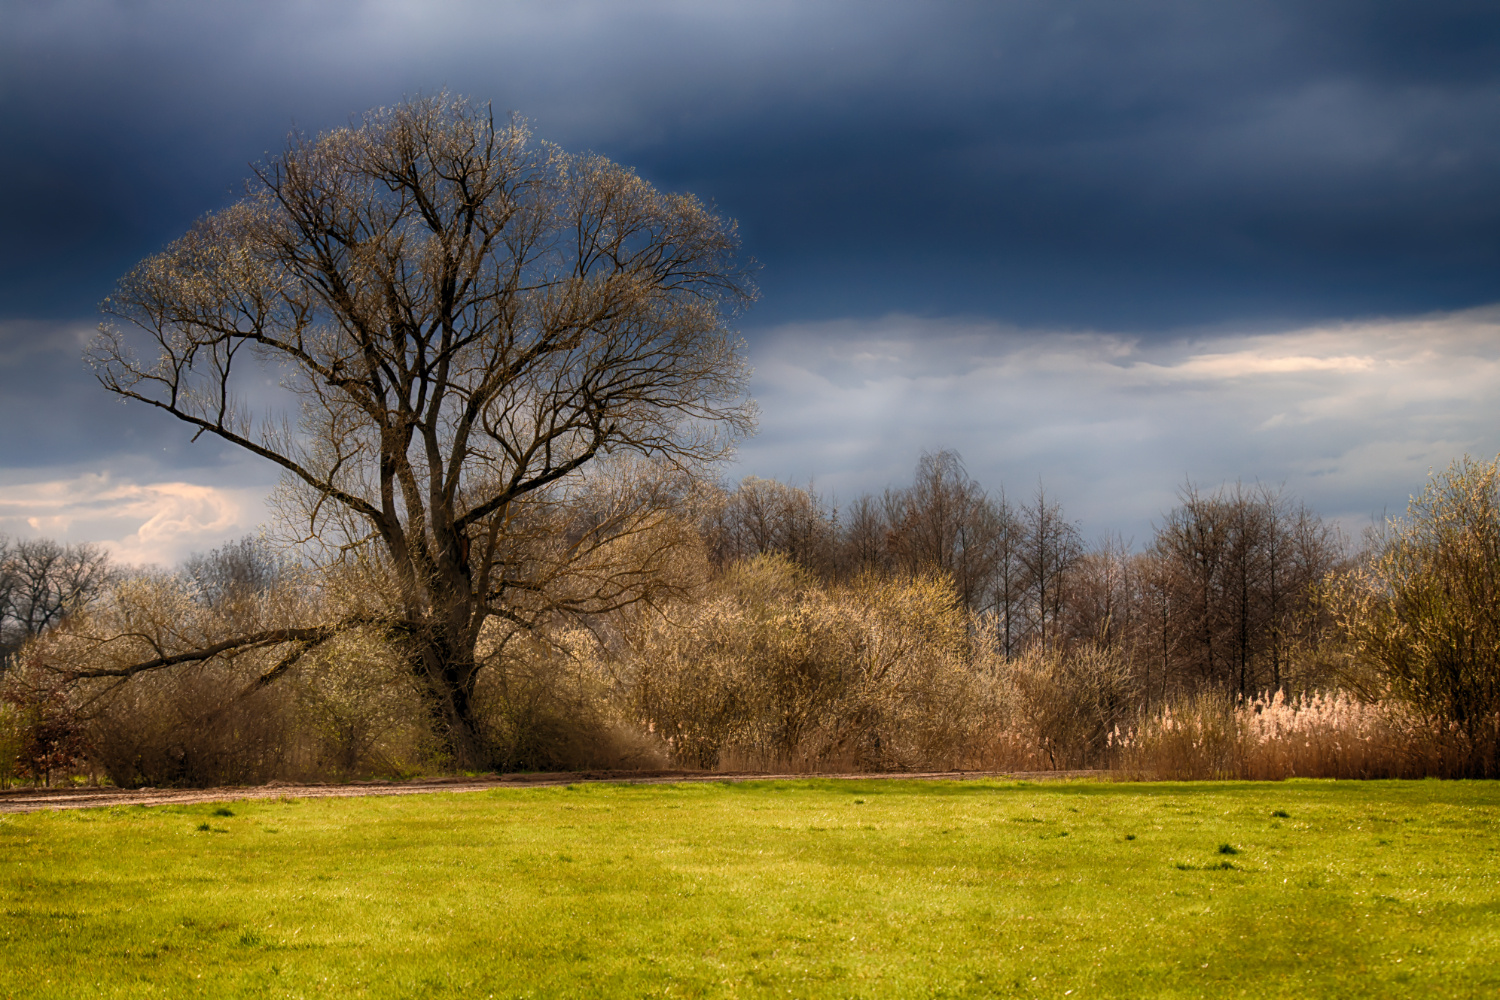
[20,800]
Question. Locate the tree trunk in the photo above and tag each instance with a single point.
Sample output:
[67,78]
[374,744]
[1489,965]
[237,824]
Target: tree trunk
[446,664]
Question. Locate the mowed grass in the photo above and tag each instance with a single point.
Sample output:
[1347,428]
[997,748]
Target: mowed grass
[814,888]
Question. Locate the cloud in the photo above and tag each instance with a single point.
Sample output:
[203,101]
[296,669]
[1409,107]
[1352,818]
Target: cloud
[1350,416]
[138,523]
[1103,163]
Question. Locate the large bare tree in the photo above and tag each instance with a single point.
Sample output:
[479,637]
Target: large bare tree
[469,319]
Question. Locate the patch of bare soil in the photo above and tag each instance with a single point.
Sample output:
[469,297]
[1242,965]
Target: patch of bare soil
[20,800]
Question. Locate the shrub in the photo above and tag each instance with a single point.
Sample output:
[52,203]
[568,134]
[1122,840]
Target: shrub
[357,712]
[10,743]
[45,733]
[776,671]
[194,727]
[545,705]
[1421,618]
[1068,704]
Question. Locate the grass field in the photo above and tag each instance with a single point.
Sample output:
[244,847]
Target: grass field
[797,889]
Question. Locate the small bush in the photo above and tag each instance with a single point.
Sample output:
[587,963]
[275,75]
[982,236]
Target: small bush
[547,706]
[10,743]
[1070,704]
[358,712]
[43,733]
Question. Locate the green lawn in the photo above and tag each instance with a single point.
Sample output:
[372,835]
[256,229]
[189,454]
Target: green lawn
[813,888]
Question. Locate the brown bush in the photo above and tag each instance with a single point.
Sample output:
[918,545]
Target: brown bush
[545,705]
[192,728]
[40,730]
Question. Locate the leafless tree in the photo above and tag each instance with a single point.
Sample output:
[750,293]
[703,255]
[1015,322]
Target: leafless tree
[1235,571]
[1050,551]
[1103,597]
[1009,585]
[763,515]
[42,582]
[946,524]
[1193,539]
[863,548]
[469,320]
[1160,623]
[249,566]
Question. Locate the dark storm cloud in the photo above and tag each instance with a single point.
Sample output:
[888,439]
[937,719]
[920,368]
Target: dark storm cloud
[1110,164]
[54,412]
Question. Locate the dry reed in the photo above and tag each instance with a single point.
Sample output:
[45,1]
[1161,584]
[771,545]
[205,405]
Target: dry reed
[1317,735]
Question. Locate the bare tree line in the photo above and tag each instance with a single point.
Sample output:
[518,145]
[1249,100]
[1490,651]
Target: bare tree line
[1222,596]
[928,625]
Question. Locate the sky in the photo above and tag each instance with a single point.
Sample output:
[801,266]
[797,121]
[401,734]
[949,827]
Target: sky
[1111,248]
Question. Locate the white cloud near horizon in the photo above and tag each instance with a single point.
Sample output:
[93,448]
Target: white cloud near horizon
[138,523]
[1348,416]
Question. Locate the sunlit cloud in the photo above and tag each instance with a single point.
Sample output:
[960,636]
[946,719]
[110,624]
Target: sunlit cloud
[138,523]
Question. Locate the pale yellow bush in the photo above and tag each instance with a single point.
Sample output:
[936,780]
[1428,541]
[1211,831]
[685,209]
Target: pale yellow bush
[358,711]
[243,716]
[548,703]
[774,671]
[1066,705]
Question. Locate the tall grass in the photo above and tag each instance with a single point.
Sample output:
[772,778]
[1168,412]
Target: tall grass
[1317,735]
